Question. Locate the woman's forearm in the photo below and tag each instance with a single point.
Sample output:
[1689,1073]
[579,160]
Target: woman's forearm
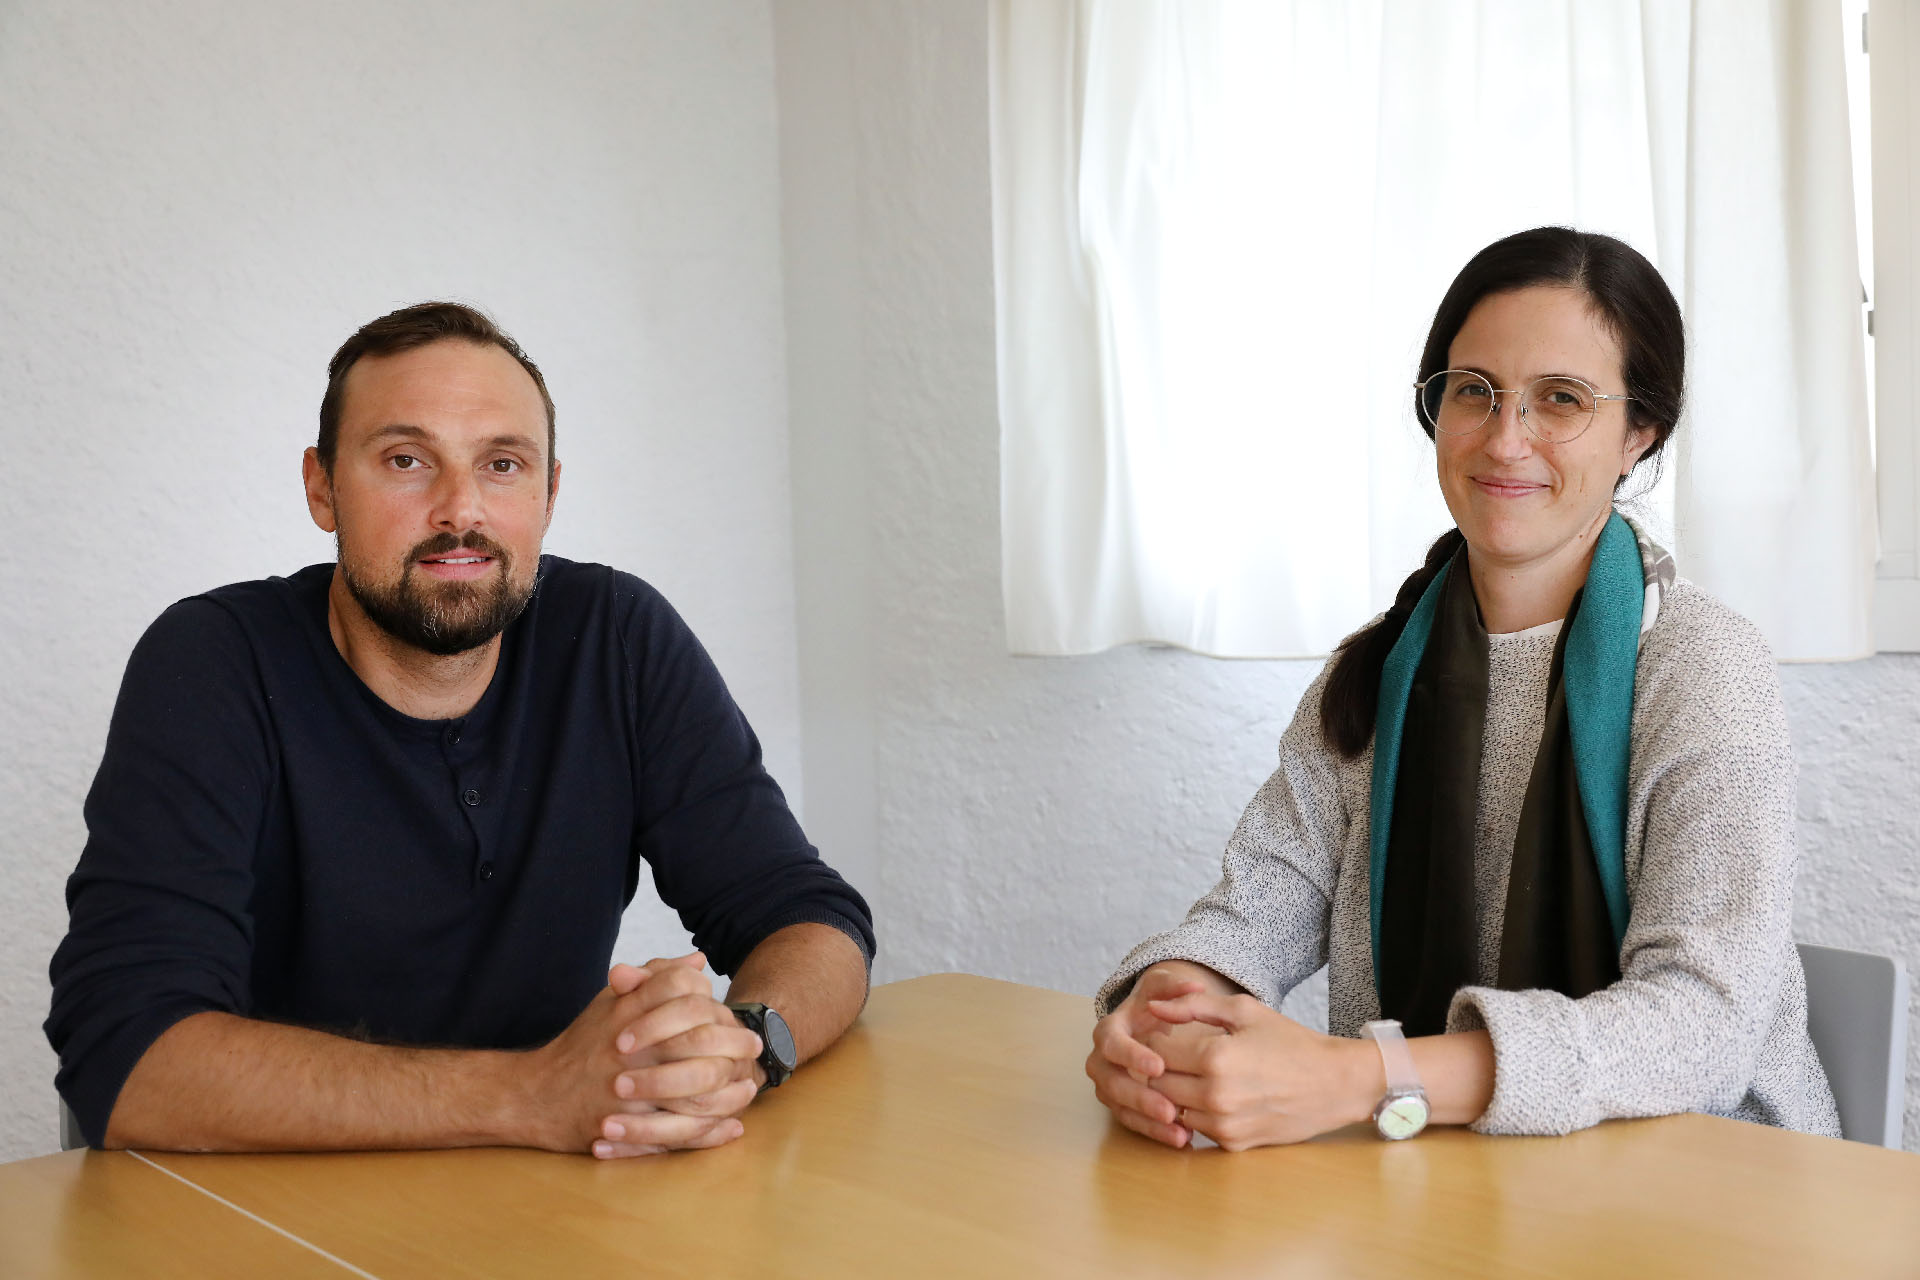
[1456,1071]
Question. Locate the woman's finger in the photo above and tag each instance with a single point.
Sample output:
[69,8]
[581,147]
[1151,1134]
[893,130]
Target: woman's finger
[1117,1090]
[1155,985]
[1114,1042]
[1229,1013]
[1206,1123]
[1197,1094]
[1170,1134]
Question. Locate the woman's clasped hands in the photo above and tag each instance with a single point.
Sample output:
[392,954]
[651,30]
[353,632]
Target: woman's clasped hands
[1188,1053]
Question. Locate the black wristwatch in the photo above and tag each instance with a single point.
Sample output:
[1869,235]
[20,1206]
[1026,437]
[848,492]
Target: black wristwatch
[778,1057]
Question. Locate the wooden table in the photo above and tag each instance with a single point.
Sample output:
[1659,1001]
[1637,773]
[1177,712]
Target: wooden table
[953,1134]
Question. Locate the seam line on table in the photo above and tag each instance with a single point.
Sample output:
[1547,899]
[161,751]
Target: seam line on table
[305,1244]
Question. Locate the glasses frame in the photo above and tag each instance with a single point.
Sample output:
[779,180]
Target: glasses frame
[1493,406]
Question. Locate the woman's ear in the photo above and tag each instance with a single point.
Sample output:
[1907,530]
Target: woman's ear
[1638,441]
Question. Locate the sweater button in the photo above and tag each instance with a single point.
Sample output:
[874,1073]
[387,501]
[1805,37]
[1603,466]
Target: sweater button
[471,796]
[453,737]
[486,871]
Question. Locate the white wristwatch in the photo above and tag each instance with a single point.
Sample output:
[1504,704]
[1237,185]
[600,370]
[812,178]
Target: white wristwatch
[1403,1111]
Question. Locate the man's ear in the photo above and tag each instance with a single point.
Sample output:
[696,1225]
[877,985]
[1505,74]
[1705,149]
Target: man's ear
[553,492]
[319,486]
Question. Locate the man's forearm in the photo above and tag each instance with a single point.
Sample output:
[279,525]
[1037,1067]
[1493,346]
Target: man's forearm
[814,975]
[217,1082]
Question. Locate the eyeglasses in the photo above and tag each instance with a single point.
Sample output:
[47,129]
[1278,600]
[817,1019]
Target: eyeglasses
[1457,402]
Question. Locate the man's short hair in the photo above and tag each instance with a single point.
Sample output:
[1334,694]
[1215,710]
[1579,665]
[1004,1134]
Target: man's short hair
[404,330]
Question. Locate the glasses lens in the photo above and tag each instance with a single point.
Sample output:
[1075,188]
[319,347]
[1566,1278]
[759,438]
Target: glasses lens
[1456,402]
[1559,409]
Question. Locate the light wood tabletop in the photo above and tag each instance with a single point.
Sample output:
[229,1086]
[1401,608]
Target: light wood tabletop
[952,1134]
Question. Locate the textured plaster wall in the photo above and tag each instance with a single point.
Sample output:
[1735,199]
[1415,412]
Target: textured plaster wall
[1856,736]
[1037,817]
[200,200]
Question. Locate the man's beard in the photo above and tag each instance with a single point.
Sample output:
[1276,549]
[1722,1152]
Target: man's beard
[443,618]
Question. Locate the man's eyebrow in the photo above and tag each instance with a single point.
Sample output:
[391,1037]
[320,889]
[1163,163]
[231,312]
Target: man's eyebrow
[407,431]
[399,431]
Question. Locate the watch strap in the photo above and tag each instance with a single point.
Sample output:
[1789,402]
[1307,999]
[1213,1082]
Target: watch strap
[1394,1055]
[754,1018]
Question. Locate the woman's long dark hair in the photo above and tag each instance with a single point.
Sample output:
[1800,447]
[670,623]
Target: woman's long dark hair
[1628,294]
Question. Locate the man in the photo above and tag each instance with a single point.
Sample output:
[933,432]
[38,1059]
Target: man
[400,801]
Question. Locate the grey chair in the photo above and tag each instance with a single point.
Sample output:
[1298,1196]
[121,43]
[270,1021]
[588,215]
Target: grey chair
[1857,1016]
[71,1139]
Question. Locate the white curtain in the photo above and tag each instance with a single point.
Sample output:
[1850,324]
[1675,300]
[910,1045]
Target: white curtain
[1221,227]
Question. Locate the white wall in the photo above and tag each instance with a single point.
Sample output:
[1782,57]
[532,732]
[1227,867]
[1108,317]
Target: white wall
[822,224]
[199,201]
[1037,817]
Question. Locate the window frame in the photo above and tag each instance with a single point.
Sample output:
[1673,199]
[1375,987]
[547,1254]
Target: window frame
[1892,37]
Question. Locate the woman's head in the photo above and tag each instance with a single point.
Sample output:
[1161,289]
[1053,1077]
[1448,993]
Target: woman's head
[1543,302]
[1551,302]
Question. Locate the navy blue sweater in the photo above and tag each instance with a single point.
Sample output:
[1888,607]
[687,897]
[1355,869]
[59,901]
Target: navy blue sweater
[267,837]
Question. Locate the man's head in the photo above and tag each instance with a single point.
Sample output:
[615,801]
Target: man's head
[403,330]
[434,471]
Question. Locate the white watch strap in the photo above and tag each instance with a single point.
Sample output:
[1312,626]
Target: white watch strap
[1394,1053]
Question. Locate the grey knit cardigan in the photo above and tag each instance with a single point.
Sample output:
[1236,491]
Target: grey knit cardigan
[1710,1013]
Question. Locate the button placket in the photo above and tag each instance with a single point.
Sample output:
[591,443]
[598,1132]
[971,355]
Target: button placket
[470,799]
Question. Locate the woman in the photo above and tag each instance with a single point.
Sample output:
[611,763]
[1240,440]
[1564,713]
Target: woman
[1540,813]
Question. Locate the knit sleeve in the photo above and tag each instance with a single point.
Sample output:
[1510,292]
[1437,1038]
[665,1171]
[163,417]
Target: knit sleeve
[725,850]
[160,923]
[1709,944]
[1264,925]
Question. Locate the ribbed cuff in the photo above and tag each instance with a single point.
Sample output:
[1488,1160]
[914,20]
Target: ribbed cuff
[1227,965]
[1539,1081]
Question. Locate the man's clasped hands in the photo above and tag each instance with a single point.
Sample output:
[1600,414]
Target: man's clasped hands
[671,1061]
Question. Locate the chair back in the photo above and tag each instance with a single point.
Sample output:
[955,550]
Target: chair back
[71,1139]
[1857,1016]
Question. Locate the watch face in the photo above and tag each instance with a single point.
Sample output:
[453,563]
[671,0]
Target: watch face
[780,1040]
[1401,1117]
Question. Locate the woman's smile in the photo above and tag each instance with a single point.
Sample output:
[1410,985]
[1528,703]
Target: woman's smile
[1509,486]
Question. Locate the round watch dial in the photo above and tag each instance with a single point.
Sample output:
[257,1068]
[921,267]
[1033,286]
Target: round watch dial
[779,1039]
[1401,1117]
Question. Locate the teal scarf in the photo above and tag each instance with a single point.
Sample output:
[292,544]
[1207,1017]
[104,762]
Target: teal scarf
[1576,801]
